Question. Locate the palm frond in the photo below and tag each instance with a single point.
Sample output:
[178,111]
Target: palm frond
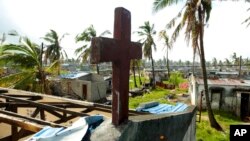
[13,33]
[13,79]
[106,32]
[172,22]
[63,36]
[176,33]
[160,4]
[207,6]
[86,35]
[52,67]
[246,21]
[80,49]
[26,81]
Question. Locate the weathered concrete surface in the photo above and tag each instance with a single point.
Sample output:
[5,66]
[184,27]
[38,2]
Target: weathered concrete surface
[164,127]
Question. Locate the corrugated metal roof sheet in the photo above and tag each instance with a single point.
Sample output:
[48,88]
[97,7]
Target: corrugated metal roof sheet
[76,132]
[225,82]
[74,75]
[163,108]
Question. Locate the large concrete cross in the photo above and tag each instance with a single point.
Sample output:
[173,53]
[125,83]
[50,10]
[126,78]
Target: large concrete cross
[119,51]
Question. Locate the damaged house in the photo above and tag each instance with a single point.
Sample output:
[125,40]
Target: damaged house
[88,86]
[228,94]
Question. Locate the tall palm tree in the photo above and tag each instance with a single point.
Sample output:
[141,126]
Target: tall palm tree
[163,36]
[227,62]
[146,32]
[83,52]
[214,62]
[133,63]
[138,65]
[193,19]
[27,57]
[247,20]
[235,59]
[54,51]
[2,39]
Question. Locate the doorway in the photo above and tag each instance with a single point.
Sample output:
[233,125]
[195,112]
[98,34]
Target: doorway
[216,98]
[84,91]
[244,107]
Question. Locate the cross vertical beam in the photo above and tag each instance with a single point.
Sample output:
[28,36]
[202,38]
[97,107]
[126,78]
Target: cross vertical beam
[119,51]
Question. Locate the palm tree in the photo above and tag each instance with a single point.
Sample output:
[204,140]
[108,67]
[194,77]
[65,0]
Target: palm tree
[227,62]
[133,70]
[247,20]
[220,64]
[54,51]
[83,52]
[2,39]
[27,57]
[163,35]
[214,62]
[146,32]
[235,59]
[193,19]
[138,65]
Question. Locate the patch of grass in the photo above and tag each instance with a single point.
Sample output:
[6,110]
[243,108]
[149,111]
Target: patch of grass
[131,81]
[205,133]
[158,95]
[179,90]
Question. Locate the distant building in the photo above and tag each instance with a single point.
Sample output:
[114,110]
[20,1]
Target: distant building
[160,74]
[224,94]
[91,87]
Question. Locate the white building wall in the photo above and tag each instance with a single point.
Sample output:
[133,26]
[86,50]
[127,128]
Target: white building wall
[98,90]
[76,86]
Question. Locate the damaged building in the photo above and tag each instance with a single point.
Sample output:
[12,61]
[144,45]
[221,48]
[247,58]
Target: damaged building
[228,94]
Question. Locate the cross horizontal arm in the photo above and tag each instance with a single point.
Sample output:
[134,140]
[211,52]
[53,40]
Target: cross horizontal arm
[103,50]
[106,49]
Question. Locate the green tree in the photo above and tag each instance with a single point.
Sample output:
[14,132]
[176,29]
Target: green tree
[83,52]
[163,36]
[27,57]
[195,13]
[176,78]
[147,31]
[54,51]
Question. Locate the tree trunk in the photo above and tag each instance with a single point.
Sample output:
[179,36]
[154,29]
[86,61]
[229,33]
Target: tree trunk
[168,69]
[193,60]
[139,72]
[97,69]
[213,122]
[153,71]
[133,68]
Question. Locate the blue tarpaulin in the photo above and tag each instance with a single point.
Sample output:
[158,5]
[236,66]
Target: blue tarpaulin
[156,108]
[76,132]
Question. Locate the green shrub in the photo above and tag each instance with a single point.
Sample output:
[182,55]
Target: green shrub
[176,78]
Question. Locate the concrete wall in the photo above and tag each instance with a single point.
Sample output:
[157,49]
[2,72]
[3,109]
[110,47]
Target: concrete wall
[95,90]
[162,127]
[98,90]
[76,86]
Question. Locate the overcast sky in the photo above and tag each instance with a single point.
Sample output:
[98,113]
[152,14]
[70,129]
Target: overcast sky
[34,18]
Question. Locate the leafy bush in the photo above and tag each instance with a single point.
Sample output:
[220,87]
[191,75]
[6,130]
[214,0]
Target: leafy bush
[176,78]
